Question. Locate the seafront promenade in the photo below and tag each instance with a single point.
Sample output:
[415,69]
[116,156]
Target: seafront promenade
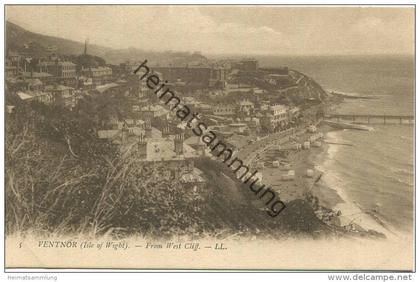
[266,151]
[248,152]
[371,119]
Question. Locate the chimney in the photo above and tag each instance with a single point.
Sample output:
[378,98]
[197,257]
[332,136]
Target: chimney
[179,143]
[201,148]
[165,130]
[86,45]
[148,128]
[124,134]
[142,147]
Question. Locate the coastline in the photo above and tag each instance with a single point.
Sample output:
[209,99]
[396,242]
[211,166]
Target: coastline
[332,195]
[334,192]
[328,197]
[320,190]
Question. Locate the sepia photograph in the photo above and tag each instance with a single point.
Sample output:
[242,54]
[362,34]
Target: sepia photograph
[210,137]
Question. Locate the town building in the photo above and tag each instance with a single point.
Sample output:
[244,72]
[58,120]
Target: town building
[63,71]
[275,118]
[45,77]
[294,113]
[196,142]
[85,82]
[40,96]
[108,88]
[238,127]
[10,69]
[129,67]
[14,64]
[99,75]
[279,113]
[34,84]
[152,111]
[224,110]
[151,148]
[199,75]
[246,107]
[277,70]
[61,95]
[245,65]
[280,80]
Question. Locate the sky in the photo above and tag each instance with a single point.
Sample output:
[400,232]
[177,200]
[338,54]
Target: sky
[274,30]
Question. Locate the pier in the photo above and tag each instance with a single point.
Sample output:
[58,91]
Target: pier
[372,119]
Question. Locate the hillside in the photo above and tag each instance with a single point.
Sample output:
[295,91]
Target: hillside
[167,57]
[39,45]
[82,185]
[308,88]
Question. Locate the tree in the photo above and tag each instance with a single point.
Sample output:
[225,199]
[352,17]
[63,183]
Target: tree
[87,61]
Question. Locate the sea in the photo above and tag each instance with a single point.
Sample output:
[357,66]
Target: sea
[373,175]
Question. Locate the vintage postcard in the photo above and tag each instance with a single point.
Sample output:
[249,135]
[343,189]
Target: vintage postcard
[209,137]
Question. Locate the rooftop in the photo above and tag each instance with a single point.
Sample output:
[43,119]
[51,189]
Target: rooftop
[193,177]
[60,63]
[163,149]
[30,94]
[57,87]
[108,134]
[24,96]
[246,103]
[102,88]
[35,74]
[278,108]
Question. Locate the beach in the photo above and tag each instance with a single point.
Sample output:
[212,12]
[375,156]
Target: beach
[332,194]
[319,185]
